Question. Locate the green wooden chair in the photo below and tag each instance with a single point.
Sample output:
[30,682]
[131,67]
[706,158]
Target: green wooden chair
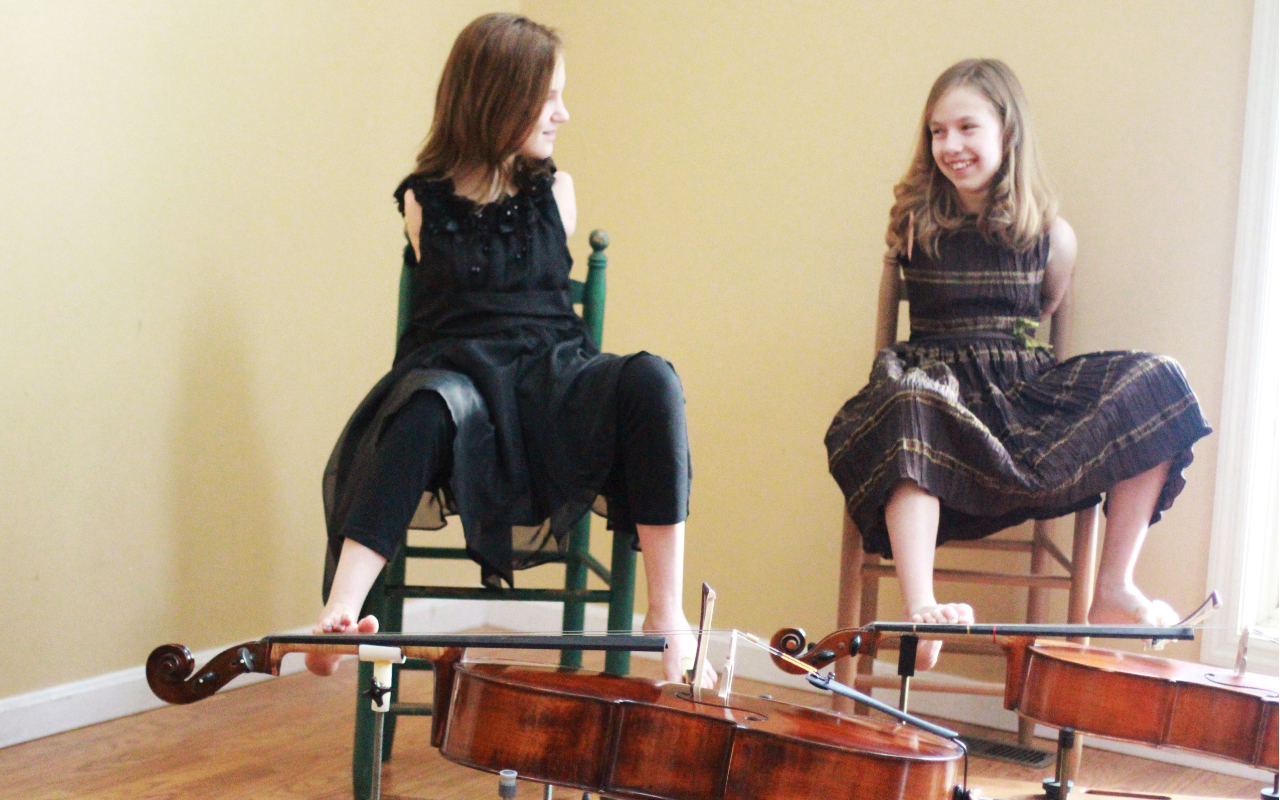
[386,598]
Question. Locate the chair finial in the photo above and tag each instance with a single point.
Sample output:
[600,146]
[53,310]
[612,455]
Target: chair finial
[599,240]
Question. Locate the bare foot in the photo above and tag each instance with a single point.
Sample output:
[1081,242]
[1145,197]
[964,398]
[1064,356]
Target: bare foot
[337,620]
[682,648]
[946,614]
[1128,606]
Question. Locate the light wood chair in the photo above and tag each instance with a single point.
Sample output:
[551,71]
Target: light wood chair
[860,572]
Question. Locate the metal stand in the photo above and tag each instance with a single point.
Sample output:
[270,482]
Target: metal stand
[1059,786]
[375,782]
[379,694]
[907,647]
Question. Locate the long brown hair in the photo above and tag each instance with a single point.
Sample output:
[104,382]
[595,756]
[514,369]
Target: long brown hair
[491,94]
[1020,207]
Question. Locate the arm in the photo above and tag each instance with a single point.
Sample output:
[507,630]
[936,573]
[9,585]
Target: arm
[562,189]
[412,221]
[1055,298]
[887,309]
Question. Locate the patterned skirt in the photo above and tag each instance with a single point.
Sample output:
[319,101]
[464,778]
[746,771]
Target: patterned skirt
[1002,433]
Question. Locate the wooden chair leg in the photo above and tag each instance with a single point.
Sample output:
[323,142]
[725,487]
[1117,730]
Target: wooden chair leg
[1084,555]
[575,578]
[1037,608]
[848,603]
[870,606]
[1037,597]
[622,598]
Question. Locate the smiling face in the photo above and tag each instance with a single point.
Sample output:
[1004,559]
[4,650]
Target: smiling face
[542,139]
[967,143]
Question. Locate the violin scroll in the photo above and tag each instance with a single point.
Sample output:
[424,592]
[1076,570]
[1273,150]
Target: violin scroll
[792,642]
[170,667]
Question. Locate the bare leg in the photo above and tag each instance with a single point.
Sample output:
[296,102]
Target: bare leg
[358,568]
[663,549]
[912,518]
[1117,600]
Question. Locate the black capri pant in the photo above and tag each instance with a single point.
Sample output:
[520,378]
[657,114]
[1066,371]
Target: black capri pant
[647,485]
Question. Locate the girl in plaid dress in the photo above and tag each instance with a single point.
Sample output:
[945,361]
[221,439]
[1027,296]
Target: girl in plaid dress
[972,425]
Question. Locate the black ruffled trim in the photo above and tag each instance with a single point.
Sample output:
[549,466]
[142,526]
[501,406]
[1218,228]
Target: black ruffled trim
[448,214]
[536,183]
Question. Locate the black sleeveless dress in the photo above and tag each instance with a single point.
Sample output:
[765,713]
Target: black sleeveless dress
[981,415]
[532,397]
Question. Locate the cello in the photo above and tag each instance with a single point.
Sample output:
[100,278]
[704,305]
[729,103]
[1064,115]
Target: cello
[1113,694]
[628,737]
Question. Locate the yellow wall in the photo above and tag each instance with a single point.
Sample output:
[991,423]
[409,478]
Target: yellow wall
[743,156]
[199,279]
[199,266]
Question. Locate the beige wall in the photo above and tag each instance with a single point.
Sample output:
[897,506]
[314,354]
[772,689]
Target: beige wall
[743,157]
[199,251]
[200,263]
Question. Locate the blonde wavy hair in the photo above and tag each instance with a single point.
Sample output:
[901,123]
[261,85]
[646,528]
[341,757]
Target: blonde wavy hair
[1020,207]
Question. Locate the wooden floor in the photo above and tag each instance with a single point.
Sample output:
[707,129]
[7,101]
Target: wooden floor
[291,738]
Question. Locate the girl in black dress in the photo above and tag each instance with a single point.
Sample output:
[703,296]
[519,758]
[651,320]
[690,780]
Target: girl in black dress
[499,407]
[972,426]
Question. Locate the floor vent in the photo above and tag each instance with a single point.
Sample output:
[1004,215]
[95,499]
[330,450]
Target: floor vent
[1015,754]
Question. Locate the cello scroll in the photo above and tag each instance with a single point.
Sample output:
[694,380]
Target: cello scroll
[170,668]
[791,641]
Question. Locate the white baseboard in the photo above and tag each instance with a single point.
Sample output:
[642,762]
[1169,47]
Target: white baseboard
[120,694]
[74,705]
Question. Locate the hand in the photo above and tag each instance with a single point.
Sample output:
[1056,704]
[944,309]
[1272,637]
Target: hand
[682,648]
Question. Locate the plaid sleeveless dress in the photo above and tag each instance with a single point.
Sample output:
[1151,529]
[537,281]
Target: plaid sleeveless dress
[982,416]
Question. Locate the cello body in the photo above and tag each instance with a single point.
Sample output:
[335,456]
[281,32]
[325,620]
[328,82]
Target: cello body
[638,739]
[1140,698]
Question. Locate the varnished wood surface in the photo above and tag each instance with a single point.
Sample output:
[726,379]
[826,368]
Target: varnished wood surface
[291,738]
[640,739]
[1156,701]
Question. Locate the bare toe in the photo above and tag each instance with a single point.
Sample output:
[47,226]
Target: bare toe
[321,664]
[948,614]
[927,654]
[1128,606]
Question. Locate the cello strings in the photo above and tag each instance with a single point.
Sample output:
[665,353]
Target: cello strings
[773,651]
[726,632]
